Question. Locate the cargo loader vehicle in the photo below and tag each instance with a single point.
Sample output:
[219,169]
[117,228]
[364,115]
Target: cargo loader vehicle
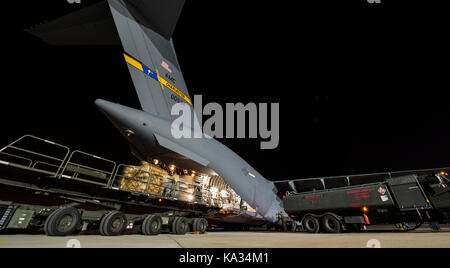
[44,186]
[351,203]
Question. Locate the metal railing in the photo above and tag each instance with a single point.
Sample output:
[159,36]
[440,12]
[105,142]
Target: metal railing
[389,175]
[73,170]
[19,157]
[15,148]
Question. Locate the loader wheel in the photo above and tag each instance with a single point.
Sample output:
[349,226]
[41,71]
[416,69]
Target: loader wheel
[152,225]
[62,222]
[203,226]
[311,224]
[113,224]
[180,226]
[200,225]
[331,224]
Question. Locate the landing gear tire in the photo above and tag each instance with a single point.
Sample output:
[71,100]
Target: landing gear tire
[62,222]
[180,226]
[113,224]
[152,225]
[200,225]
[331,224]
[311,224]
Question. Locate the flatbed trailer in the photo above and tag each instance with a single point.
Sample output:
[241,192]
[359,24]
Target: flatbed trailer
[350,203]
[66,192]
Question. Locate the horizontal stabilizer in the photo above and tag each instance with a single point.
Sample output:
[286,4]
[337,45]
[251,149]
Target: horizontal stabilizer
[92,25]
[180,150]
[159,15]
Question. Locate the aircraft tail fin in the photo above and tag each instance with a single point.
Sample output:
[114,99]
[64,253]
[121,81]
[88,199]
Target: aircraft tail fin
[145,29]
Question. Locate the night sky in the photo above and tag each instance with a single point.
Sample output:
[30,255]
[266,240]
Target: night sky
[362,88]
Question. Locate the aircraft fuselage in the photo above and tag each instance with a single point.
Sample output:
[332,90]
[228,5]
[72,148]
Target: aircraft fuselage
[140,126]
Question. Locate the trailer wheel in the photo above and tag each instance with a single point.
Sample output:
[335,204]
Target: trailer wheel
[311,224]
[113,224]
[152,225]
[331,224]
[180,226]
[203,226]
[62,222]
[200,225]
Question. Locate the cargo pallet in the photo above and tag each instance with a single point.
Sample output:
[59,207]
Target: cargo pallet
[64,192]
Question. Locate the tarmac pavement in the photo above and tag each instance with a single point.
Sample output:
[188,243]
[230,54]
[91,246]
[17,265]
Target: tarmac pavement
[422,238]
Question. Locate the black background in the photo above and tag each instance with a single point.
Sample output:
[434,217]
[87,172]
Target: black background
[362,87]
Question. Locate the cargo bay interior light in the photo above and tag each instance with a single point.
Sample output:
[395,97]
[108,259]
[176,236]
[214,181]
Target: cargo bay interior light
[214,190]
[224,193]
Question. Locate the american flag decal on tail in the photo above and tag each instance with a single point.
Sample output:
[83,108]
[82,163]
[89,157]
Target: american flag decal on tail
[166,66]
